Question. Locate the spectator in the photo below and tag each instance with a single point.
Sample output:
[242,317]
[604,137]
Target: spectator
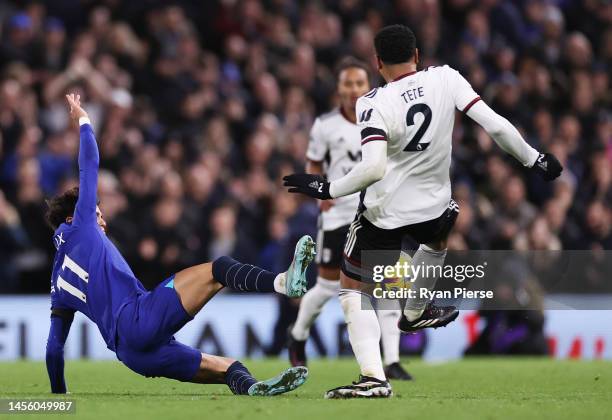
[198,107]
[13,239]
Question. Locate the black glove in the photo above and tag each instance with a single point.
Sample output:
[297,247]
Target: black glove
[547,166]
[313,185]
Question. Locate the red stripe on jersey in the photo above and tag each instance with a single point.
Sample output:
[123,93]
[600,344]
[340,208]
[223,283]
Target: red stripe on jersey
[373,138]
[351,260]
[471,104]
[403,75]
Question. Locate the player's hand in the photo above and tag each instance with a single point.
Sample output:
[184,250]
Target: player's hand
[547,166]
[76,111]
[313,185]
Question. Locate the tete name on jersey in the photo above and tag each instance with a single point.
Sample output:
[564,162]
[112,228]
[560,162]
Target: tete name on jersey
[412,94]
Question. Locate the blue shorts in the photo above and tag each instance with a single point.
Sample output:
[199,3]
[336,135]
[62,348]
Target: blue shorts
[145,330]
[172,360]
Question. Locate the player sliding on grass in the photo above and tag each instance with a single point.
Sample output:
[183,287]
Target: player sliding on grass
[406,191]
[90,276]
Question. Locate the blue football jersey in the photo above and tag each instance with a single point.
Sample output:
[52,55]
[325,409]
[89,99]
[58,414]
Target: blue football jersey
[89,274]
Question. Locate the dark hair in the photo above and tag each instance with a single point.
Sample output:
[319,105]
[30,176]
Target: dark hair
[349,62]
[61,206]
[395,44]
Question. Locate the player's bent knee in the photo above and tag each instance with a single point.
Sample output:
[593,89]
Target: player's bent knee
[195,286]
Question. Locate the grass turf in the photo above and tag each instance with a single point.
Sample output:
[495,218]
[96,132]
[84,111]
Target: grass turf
[492,388]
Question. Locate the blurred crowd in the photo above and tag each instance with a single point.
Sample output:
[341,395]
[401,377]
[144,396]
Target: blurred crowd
[200,107]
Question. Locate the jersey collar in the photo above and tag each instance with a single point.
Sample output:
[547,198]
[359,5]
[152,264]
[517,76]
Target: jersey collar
[403,75]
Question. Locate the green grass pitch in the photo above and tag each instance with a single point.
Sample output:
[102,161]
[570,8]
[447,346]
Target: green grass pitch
[470,389]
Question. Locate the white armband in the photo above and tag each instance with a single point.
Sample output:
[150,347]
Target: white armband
[84,120]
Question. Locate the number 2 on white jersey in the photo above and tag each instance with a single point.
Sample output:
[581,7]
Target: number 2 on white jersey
[414,145]
[78,270]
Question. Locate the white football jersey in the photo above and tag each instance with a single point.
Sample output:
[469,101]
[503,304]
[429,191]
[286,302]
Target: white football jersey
[336,142]
[416,112]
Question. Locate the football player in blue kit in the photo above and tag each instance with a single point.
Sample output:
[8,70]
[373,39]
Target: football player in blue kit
[91,276]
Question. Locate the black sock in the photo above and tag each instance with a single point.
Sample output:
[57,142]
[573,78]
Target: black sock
[239,379]
[242,277]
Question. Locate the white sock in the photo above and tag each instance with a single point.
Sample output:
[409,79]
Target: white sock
[280,283]
[311,305]
[364,332]
[424,257]
[390,334]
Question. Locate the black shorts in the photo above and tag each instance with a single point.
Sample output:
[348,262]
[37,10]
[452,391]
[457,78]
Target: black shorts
[365,236]
[329,246]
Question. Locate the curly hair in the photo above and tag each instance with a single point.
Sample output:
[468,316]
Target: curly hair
[395,44]
[60,207]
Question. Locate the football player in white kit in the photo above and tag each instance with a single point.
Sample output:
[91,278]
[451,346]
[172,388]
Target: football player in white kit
[333,150]
[404,172]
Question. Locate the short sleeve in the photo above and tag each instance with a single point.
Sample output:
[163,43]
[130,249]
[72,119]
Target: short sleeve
[317,146]
[369,118]
[461,90]
[369,114]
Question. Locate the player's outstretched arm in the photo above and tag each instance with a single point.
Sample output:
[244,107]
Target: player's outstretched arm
[500,129]
[61,320]
[511,141]
[89,160]
[370,170]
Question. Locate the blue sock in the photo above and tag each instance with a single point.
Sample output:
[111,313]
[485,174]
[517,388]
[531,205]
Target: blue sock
[242,277]
[239,379]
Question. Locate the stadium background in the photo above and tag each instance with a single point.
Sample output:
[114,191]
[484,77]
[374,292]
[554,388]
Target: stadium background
[201,107]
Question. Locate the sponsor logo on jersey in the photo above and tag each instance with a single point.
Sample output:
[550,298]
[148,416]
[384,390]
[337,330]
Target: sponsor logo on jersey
[366,115]
[354,157]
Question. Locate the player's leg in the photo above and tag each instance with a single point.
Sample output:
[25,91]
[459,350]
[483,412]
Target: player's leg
[428,255]
[154,317]
[329,255]
[175,360]
[361,320]
[249,278]
[362,325]
[197,285]
[312,303]
[217,369]
[212,370]
[419,312]
[388,318]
